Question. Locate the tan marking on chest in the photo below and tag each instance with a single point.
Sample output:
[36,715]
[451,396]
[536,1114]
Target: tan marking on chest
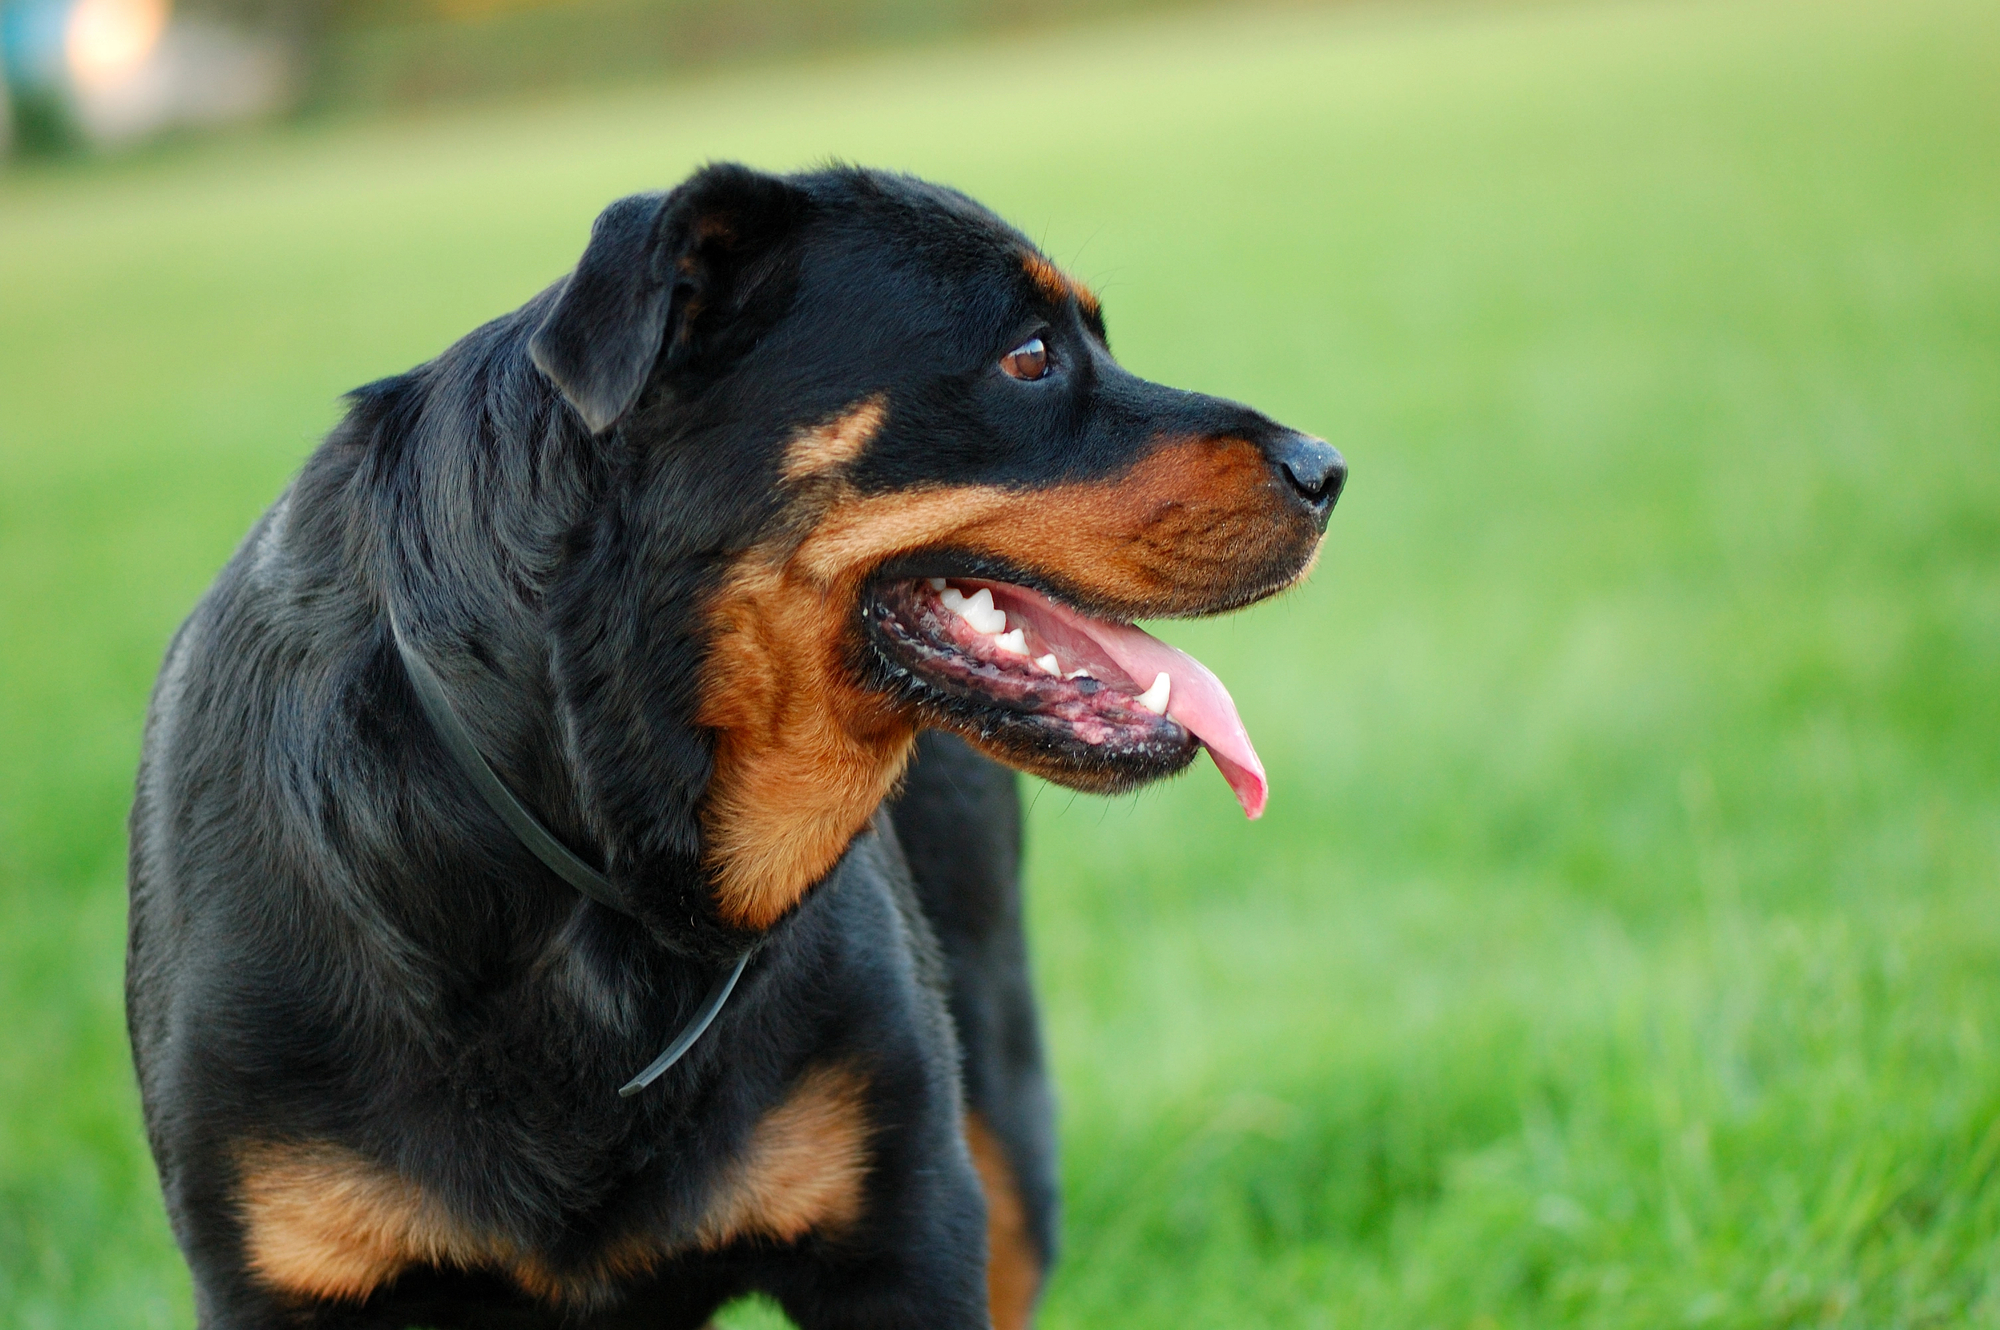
[325,1223]
[804,1169]
[1013,1266]
[321,1221]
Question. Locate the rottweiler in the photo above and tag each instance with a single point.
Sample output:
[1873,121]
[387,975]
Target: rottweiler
[644,672]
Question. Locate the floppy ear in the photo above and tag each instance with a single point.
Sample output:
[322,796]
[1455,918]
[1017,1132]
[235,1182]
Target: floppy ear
[672,271]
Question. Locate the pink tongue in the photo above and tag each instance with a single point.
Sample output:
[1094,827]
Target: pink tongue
[1196,699]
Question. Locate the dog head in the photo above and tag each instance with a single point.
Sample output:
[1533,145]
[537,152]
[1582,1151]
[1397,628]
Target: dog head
[888,439]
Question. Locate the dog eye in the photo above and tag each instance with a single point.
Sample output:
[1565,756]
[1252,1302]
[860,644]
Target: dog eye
[1028,361]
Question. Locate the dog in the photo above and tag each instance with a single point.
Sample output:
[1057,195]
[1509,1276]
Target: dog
[644,670]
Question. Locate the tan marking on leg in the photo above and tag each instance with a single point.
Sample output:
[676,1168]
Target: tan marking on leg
[1013,1268]
[834,445]
[803,1170]
[322,1221]
[803,756]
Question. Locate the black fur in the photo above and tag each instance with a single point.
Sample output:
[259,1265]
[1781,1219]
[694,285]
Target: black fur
[332,939]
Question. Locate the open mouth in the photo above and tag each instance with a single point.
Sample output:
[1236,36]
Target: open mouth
[1092,702]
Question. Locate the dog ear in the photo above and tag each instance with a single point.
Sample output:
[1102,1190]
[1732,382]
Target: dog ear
[667,279]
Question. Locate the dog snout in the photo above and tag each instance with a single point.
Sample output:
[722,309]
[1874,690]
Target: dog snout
[1313,468]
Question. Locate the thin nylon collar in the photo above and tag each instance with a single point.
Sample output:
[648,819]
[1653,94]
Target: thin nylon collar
[561,860]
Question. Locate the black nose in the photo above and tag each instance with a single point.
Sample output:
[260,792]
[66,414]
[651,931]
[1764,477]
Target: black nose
[1314,467]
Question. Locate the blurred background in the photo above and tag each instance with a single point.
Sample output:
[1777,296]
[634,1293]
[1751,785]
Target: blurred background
[1622,947]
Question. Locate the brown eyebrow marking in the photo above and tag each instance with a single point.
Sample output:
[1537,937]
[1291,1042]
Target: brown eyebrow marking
[835,444]
[1058,285]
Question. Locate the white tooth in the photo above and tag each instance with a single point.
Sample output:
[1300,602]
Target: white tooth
[1154,699]
[937,583]
[979,611]
[1049,664]
[1014,643]
[1078,674]
[954,599]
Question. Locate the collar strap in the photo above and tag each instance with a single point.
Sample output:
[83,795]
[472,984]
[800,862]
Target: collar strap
[711,1007]
[560,859]
[527,828]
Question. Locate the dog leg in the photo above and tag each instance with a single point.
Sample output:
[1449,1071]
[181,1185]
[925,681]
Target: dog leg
[935,1287]
[959,820]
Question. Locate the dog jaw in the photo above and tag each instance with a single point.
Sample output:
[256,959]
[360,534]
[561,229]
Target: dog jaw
[805,749]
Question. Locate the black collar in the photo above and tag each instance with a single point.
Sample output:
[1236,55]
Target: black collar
[561,860]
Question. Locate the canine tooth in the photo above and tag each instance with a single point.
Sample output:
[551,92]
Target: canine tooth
[1049,664]
[1154,699]
[1014,643]
[937,583]
[980,613]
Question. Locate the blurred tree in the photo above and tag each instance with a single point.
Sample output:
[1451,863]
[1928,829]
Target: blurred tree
[217,60]
[386,52]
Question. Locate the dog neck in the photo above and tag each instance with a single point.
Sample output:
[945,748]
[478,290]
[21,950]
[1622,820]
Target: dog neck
[568,620]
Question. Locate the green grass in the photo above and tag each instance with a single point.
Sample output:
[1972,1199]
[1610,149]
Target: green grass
[1622,947]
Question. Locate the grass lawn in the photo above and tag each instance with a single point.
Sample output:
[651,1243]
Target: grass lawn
[1622,947]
